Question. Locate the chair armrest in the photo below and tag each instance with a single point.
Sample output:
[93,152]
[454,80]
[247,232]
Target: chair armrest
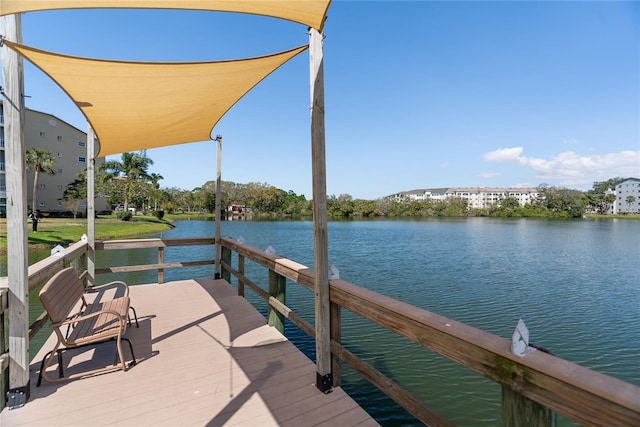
[89,316]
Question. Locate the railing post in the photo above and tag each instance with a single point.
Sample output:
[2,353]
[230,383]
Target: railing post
[226,257]
[80,265]
[241,271]
[518,411]
[277,289]
[17,264]
[4,350]
[336,335]
[160,261]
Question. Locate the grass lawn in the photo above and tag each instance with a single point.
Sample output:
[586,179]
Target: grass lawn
[54,231]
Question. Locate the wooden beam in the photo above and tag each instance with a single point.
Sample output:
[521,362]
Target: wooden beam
[91,206]
[241,272]
[147,267]
[517,410]
[226,258]
[277,290]
[321,250]
[217,202]
[13,106]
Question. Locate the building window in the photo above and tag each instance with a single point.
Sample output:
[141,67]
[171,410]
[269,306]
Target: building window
[59,154]
[59,202]
[60,187]
[81,143]
[42,186]
[41,134]
[41,204]
[82,159]
[59,170]
[59,138]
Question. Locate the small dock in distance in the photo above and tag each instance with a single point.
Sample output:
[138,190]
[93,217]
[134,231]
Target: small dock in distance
[206,357]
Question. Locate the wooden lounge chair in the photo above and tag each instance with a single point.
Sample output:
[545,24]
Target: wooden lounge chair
[78,323]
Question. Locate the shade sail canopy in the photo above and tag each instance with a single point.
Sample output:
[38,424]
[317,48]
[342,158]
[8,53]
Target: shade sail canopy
[138,105]
[307,12]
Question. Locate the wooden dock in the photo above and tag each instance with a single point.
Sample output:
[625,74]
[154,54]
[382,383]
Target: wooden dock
[205,357]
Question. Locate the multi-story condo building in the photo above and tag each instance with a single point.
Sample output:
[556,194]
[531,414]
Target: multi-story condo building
[68,146]
[478,197]
[627,196]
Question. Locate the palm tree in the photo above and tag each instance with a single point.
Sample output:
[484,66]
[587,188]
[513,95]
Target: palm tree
[155,183]
[42,161]
[132,168]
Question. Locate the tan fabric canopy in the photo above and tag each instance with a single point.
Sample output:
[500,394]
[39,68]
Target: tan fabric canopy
[307,12]
[139,105]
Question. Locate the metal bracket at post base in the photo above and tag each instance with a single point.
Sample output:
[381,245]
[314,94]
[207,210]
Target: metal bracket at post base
[324,382]
[18,397]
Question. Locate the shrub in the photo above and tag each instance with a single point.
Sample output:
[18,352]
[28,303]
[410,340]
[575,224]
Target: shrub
[125,215]
[158,214]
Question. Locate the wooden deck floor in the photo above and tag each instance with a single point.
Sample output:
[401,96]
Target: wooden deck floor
[205,357]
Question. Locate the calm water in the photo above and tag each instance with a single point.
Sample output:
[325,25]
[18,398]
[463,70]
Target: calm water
[576,284]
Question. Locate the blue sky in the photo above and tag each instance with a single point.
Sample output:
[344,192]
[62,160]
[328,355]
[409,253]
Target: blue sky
[418,94]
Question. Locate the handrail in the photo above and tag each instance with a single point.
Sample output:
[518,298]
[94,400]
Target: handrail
[579,393]
[158,243]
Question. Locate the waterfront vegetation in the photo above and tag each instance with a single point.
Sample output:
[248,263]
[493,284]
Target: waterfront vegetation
[129,185]
[55,231]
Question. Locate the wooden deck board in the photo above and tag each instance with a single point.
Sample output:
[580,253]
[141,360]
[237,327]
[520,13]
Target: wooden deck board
[205,357]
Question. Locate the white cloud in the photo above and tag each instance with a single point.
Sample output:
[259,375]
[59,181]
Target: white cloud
[504,154]
[572,169]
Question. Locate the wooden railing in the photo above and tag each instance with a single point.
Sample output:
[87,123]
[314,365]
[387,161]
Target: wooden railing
[38,273]
[532,386]
[160,244]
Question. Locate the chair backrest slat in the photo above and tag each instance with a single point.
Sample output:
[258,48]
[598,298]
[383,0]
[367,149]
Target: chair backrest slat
[61,294]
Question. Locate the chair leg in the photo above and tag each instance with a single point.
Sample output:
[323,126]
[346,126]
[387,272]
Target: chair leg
[135,316]
[60,371]
[42,366]
[133,356]
[60,368]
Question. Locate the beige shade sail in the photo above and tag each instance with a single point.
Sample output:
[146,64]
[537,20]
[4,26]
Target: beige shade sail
[138,105]
[308,12]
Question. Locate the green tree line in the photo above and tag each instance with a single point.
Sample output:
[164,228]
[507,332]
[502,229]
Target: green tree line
[128,183]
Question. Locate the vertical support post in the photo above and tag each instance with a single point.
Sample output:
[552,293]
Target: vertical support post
[217,204]
[241,271]
[336,335]
[226,257]
[519,411]
[4,348]
[278,290]
[161,261]
[17,264]
[91,206]
[321,249]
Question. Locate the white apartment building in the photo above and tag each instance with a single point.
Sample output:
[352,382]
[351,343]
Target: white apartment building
[478,197]
[627,196]
[68,146]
